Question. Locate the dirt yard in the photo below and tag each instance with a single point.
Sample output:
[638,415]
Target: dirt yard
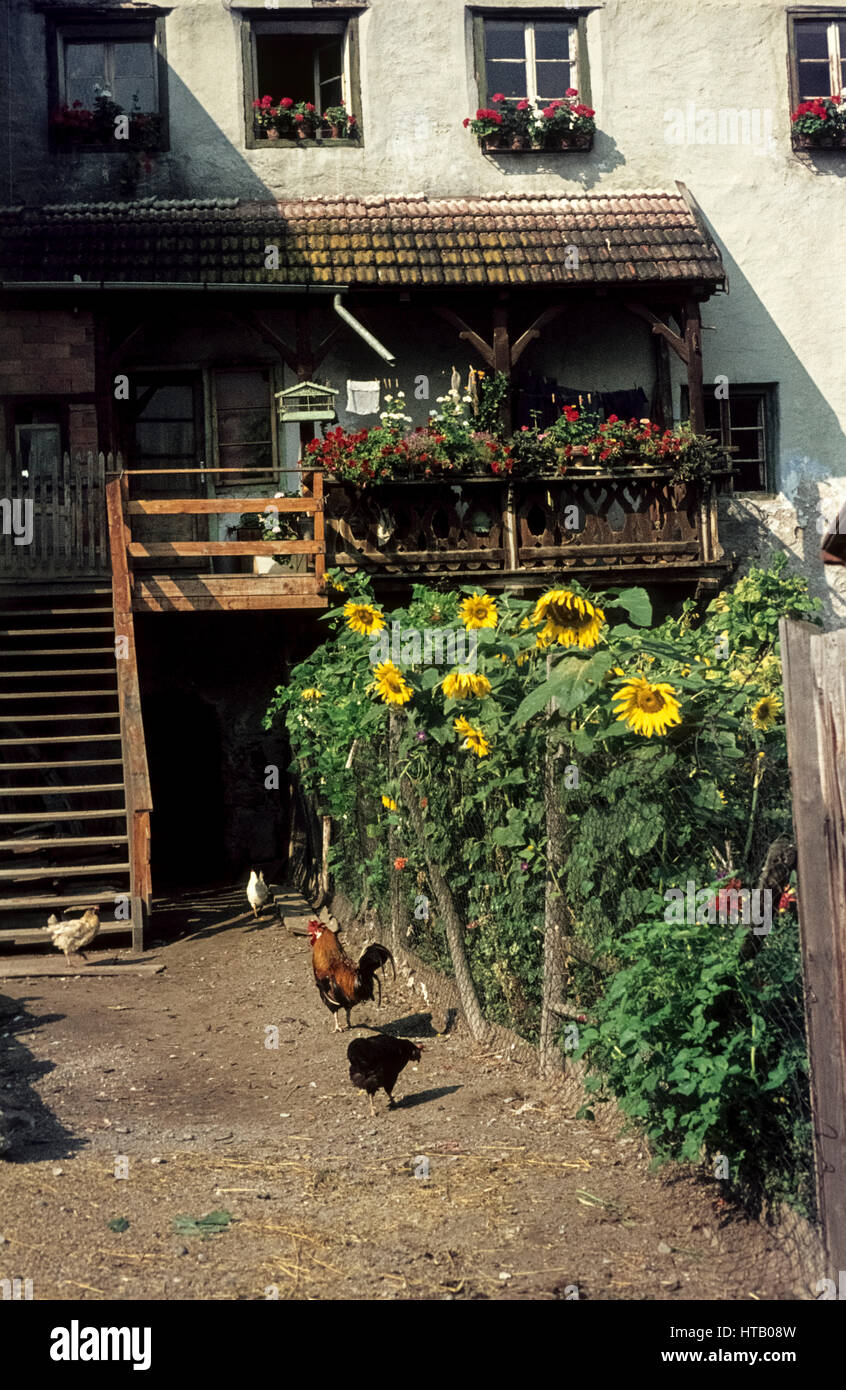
[167,1077]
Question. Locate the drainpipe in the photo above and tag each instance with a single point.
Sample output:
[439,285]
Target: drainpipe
[362,331]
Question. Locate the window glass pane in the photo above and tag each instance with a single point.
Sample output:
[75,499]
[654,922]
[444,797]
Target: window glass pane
[508,78]
[811,39]
[169,402]
[553,80]
[746,411]
[552,40]
[330,66]
[244,420]
[160,439]
[85,69]
[814,80]
[505,39]
[39,449]
[134,80]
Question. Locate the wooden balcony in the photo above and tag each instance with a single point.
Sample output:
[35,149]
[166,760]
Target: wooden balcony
[632,524]
[180,579]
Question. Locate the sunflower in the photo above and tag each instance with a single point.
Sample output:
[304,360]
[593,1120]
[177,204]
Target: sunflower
[389,803]
[390,684]
[312,693]
[474,739]
[363,618]
[648,709]
[765,712]
[460,685]
[479,610]
[570,620]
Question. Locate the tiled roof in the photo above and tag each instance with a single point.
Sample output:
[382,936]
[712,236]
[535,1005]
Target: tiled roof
[508,239]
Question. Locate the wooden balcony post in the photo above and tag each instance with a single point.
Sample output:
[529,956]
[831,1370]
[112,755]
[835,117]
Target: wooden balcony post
[695,384]
[319,524]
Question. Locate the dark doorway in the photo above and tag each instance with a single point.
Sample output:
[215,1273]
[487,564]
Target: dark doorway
[184,757]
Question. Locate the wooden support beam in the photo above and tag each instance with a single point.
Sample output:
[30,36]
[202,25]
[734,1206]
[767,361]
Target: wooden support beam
[534,331]
[264,331]
[695,379]
[467,334]
[163,549]
[679,345]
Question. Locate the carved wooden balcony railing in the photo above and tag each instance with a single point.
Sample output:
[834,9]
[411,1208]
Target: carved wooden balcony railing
[604,526]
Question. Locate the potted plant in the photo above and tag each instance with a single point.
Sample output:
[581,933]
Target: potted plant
[820,123]
[306,120]
[341,124]
[487,126]
[567,124]
[570,435]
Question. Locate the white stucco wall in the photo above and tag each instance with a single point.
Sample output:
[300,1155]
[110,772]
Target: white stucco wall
[778,215]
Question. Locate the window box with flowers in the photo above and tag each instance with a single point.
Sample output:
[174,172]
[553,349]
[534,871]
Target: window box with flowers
[820,124]
[105,127]
[292,121]
[508,124]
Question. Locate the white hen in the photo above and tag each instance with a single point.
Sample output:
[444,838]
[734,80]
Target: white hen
[257,891]
[76,933]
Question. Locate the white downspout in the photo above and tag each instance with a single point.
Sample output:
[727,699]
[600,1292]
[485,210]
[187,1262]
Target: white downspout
[362,331]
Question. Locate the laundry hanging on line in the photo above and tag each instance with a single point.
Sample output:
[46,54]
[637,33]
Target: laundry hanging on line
[362,397]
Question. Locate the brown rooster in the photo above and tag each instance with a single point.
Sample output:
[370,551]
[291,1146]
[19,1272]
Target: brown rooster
[341,982]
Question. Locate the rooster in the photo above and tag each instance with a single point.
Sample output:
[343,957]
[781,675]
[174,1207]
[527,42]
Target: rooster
[341,982]
[73,935]
[378,1061]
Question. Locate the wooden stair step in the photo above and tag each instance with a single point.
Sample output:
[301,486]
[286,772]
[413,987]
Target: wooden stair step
[65,841]
[62,671]
[67,789]
[101,610]
[57,900]
[63,871]
[54,694]
[37,766]
[114,813]
[53,719]
[49,631]
[71,738]
[58,651]
[38,936]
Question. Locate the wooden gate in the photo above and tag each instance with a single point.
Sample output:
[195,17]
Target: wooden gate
[53,518]
[815,708]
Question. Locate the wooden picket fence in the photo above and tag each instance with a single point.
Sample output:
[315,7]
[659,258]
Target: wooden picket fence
[815,710]
[67,507]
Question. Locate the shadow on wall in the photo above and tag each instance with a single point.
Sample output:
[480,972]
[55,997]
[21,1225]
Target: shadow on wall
[577,171]
[201,163]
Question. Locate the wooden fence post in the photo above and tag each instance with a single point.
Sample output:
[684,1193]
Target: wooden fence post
[815,708]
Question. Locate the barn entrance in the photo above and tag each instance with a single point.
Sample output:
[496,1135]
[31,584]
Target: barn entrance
[184,757]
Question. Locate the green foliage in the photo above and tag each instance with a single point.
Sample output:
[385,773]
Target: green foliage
[673,1010]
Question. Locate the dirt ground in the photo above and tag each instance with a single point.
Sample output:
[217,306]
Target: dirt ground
[168,1077]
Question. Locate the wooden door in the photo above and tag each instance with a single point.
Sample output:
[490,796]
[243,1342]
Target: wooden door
[166,433]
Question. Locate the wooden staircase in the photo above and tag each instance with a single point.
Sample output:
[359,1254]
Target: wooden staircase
[70,832]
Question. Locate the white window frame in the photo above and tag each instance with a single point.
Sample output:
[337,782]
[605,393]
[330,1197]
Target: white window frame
[530,46]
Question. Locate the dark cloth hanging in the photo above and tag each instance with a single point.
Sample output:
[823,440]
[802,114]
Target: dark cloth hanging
[627,404]
[540,401]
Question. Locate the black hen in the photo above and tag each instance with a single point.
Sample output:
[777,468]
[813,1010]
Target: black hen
[378,1061]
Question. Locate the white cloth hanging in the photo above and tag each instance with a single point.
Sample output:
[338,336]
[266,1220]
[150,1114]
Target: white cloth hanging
[362,397]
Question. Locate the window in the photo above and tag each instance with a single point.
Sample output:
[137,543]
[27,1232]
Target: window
[746,423]
[302,61]
[535,58]
[36,435]
[108,83]
[245,425]
[817,55]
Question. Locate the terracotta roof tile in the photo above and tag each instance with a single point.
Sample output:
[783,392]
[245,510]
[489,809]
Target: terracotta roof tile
[380,239]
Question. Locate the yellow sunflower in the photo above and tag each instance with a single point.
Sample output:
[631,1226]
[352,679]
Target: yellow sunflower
[648,709]
[363,618]
[474,739]
[460,685]
[569,619]
[479,610]
[389,803]
[765,712]
[390,684]
[312,693]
